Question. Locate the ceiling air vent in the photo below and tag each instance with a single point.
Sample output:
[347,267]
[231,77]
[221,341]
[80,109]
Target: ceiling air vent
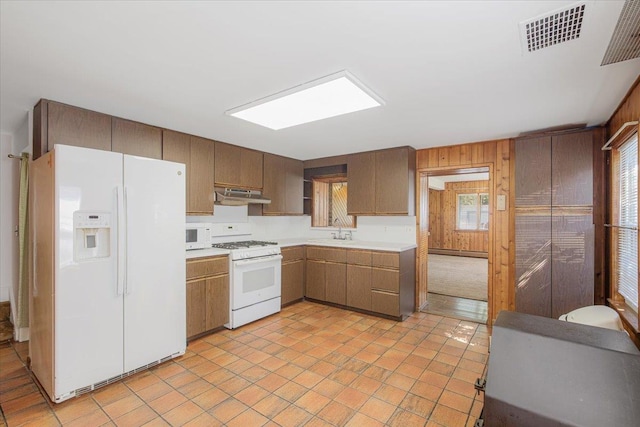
[556,27]
[625,42]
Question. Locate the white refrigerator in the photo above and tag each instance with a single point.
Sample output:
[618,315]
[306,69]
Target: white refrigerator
[107,292]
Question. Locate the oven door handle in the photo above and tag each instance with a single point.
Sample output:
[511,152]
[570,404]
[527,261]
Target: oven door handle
[259,260]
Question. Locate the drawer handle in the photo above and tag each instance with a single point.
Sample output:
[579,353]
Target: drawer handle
[382,291]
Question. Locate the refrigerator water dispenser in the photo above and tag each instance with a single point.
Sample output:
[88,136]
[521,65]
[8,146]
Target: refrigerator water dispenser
[92,235]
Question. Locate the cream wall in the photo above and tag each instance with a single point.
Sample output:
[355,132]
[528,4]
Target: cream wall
[8,170]
[10,143]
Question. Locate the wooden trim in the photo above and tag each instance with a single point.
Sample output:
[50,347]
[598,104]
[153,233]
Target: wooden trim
[493,190]
[629,319]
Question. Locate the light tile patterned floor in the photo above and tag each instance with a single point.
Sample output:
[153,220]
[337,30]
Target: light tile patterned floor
[309,365]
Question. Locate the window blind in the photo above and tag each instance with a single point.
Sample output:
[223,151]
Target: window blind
[628,236]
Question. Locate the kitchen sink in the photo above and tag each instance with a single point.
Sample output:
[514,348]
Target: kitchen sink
[332,241]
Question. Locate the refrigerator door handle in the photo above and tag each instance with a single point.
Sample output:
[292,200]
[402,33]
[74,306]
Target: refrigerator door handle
[119,255]
[127,289]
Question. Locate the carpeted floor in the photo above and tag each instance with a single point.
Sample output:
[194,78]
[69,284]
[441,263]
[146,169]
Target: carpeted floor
[458,276]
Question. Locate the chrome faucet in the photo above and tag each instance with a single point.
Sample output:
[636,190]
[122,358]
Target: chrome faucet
[339,236]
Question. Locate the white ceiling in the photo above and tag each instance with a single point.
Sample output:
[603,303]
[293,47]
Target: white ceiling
[450,72]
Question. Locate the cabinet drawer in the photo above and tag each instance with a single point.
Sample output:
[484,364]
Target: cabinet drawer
[384,279]
[385,303]
[358,257]
[385,259]
[327,254]
[201,267]
[292,253]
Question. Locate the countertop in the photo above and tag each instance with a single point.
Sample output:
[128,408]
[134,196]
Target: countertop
[348,244]
[201,253]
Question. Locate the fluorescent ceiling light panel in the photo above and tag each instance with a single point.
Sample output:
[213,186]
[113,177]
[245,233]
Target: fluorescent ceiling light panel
[329,96]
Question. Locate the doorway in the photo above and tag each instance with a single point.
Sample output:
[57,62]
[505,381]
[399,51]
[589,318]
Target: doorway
[457,246]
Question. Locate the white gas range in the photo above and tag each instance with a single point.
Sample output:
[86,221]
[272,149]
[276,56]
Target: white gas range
[254,274]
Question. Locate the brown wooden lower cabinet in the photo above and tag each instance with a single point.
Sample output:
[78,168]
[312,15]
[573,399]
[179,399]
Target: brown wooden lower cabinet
[376,281]
[207,294]
[196,310]
[315,282]
[359,286]
[335,283]
[385,302]
[217,301]
[292,274]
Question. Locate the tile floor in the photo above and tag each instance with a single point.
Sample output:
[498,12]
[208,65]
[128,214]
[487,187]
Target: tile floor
[309,365]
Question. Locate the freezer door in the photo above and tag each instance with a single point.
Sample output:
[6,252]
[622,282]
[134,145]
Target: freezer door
[155,292]
[88,308]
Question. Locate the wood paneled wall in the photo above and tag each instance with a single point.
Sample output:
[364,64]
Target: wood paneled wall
[435,218]
[496,155]
[629,110]
[445,235]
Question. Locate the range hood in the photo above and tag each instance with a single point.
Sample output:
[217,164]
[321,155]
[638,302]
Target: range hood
[237,197]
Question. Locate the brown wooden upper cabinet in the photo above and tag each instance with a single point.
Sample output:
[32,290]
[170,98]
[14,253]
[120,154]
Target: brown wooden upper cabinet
[198,154]
[283,184]
[136,139]
[238,167]
[381,182]
[56,123]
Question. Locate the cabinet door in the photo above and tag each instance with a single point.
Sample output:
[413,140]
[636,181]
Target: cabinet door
[336,283]
[385,303]
[327,254]
[227,165]
[274,184]
[251,168]
[176,147]
[533,171]
[196,309]
[217,301]
[237,167]
[201,175]
[392,182]
[294,183]
[361,176]
[315,280]
[136,139]
[572,167]
[292,281]
[75,126]
[359,287]
[572,263]
[210,266]
[533,265]
[385,279]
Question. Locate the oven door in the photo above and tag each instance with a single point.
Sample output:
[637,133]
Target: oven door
[255,280]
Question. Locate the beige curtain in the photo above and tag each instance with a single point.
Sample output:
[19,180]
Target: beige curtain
[22,318]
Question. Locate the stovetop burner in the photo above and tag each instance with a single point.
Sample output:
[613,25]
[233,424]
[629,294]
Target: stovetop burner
[243,244]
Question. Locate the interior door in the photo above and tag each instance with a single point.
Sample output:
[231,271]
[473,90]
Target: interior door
[155,293]
[423,243]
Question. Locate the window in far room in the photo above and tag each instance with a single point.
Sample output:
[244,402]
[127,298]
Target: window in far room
[330,203]
[472,211]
